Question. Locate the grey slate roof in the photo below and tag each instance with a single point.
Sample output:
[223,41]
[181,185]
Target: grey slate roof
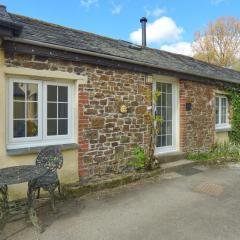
[53,34]
[4,15]
[6,21]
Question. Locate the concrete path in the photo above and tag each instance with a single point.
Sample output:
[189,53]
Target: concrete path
[203,206]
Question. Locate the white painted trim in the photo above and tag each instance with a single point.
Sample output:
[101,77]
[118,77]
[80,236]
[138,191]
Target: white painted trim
[42,139]
[70,112]
[11,139]
[175,114]
[44,74]
[221,126]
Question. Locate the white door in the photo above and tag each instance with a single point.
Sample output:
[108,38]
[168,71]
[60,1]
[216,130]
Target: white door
[167,108]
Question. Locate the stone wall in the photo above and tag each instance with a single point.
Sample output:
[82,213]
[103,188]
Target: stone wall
[197,126]
[106,136]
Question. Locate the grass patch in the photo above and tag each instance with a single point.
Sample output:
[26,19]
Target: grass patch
[220,154]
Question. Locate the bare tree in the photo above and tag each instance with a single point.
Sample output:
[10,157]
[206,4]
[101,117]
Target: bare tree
[219,42]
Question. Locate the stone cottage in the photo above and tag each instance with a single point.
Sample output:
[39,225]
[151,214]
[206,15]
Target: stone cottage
[90,94]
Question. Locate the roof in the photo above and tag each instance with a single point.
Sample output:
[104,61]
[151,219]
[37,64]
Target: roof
[44,32]
[11,27]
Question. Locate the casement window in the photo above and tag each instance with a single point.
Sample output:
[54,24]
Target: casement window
[221,108]
[40,113]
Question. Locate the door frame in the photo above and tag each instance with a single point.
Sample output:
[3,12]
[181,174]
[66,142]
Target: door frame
[175,113]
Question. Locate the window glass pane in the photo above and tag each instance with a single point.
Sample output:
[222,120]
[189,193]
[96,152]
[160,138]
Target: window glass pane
[163,128]
[19,110]
[159,100]
[25,106]
[19,90]
[52,93]
[158,111]
[169,140]
[32,92]
[217,109]
[164,113]
[62,94]
[62,110]
[159,141]
[32,110]
[19,128]
[163,95]
[169,100]
[63,127]
[52,110]
[51,127]
[164,141]
[169,88]
[224,110]
[164,87]
[164,109]
[169,127]
[169,114]
[159,86]
[32,128]
[223,119]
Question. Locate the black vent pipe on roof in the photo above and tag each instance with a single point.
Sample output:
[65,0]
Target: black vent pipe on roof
[143,21]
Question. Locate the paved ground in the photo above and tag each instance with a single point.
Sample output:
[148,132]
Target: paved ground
[153,209]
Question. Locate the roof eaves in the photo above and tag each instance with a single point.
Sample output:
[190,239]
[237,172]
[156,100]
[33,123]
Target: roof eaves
[15,28]
[112,57]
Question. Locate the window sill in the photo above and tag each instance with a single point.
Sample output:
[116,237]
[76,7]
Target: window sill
[33,150]
[223,129]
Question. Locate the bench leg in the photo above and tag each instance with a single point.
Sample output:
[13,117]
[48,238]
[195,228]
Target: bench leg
[32,206]
[52,196]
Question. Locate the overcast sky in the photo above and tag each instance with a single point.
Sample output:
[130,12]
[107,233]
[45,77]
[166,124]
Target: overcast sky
[171,23]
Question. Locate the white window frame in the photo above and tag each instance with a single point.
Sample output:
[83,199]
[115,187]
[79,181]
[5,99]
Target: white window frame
[175,116]
[221,125]
[42,139]
[70,112]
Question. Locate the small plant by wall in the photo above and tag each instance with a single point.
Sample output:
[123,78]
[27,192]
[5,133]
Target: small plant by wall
[144,158]
[140,158]
[234,135]
[220,154]
[156,121]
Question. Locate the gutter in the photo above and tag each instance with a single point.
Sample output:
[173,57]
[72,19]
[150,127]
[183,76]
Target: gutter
[80,51]
[101,55]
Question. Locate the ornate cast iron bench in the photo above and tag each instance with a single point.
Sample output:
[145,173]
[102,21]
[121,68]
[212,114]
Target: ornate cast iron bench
[15,175]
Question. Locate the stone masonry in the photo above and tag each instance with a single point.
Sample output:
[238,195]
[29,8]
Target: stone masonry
[197,126]
[106,136]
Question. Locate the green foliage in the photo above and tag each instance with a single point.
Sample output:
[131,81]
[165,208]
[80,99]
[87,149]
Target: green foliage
[235,122]
[146,160]
[221,153]
[140,158]
[156,95]
[158,119]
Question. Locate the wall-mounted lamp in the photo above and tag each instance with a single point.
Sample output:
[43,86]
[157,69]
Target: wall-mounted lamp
[149,79]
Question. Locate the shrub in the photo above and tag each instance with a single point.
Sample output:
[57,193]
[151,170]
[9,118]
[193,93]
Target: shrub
[235,121]
[140,158]
[221,153]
